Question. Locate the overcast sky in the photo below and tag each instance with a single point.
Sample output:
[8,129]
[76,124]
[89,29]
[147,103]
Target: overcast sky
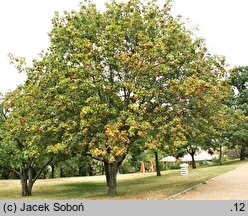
[25,25]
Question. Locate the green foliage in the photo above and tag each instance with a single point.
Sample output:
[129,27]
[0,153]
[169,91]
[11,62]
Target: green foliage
[216,161]
[132,75]
[238,132]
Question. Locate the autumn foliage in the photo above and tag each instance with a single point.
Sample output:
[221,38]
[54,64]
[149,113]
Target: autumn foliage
[113,77]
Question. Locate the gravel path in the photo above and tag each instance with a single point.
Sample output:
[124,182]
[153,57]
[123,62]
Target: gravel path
[232,185]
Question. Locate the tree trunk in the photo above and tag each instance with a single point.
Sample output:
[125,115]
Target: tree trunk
[53,170]
[30,181]
[157,164]
[61,173]
[25,181]
[91,170]
[220,157]
[103,169]
[112,172]
[5,173]
[242,153]
[45,174]
[193,160]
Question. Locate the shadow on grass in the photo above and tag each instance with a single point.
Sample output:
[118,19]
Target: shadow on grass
[77,190]
[145,186]
[98,190]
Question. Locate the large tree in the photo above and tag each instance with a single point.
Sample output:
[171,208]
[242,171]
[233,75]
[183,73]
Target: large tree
[130,57]
[110,78]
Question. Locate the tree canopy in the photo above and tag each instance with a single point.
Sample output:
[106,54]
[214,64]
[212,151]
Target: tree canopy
[238,133]
[112,78]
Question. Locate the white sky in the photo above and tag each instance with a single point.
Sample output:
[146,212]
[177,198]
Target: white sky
[24,26]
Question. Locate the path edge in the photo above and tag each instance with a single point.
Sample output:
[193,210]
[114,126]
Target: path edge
[198,185]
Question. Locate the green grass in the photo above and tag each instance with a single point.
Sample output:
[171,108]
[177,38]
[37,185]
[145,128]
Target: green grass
[129,186]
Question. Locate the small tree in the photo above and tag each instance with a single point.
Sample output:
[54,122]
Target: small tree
[238,132]
[22,146]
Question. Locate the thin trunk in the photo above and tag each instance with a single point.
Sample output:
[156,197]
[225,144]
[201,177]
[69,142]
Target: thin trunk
[242,153]
[157,164]
[5,173]
[45,174]
[103,169]
[193,160]
[112,171]
[30,181]
[91,170]
[53,170]
[220,156]
[80,171]
[61,173]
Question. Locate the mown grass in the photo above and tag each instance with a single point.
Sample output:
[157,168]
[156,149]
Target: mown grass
[130,186]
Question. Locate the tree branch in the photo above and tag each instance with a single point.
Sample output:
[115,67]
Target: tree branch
[98,159]
[40,171]
[12,170]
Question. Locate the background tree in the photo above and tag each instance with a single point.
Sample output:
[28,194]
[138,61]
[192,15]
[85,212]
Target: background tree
[24,147]
[198,97]
[35,130]
[238,133]
[224,119]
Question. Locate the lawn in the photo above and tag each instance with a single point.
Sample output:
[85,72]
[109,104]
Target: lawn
[130,186]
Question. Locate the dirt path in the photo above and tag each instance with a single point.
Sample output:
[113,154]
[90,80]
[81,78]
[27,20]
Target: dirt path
[232,185]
